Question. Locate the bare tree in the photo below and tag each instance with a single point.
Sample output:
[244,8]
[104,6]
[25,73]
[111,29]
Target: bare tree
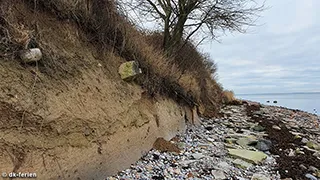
[181,19]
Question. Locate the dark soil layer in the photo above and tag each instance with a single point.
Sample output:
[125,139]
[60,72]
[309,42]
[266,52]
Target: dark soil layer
[282,142]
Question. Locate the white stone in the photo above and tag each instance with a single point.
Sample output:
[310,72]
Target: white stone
[31,55]
[198,156]
[218,174]
[276,127]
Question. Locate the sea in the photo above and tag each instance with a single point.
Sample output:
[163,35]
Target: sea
[309,102]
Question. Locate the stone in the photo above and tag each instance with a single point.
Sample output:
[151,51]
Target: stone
[309,149]
[244,142]
[258,176]
[310,176]
[242,164]
[291,153]
[316,154]
[209,128]
[313,145]
[163,145]
[230,140]
[224,165]
[149,167]
[235,110]
[240,178]
[217,174]
[317,173]
[186,163]
[129,70]
[263,145]
[190,175]
[197,156]
[276,127]
[313,169]
[181,145]
[211,139]
[258,128]
[177,171]
[31,55]
[298,151]
[259,113]
[247,155]
[297,137]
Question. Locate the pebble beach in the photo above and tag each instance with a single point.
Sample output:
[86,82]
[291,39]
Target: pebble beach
[248,141]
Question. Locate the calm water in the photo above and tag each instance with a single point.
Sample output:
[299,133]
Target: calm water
[303,101]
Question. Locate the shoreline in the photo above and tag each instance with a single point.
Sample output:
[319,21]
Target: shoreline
[279,106]
[292,139]
[289,144]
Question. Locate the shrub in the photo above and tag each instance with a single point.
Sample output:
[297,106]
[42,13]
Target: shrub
[228,97]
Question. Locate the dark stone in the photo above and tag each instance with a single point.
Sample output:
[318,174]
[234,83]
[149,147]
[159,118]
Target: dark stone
[258,128]
[159,177]
[209,128]
[155,156]
[275,102]
[264,145]
[173,165]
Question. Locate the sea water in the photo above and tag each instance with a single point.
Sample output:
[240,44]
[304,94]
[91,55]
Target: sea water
[309,102]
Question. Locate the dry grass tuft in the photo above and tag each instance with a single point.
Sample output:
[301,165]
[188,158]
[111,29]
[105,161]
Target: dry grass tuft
[228,97]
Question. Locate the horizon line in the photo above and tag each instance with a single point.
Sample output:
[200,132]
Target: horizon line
[278,93]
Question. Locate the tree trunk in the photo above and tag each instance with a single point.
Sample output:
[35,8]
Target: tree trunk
[176,36]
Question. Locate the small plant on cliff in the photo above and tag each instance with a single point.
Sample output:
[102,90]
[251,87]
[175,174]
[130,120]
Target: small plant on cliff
[228,97]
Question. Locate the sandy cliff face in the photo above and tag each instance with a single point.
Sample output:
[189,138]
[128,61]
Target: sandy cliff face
[70,115]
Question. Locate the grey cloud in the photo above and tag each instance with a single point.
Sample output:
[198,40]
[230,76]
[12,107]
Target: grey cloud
[280,56]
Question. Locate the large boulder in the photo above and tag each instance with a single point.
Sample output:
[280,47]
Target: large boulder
[129,70]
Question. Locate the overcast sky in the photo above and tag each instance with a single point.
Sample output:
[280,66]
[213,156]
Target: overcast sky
[281,55]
